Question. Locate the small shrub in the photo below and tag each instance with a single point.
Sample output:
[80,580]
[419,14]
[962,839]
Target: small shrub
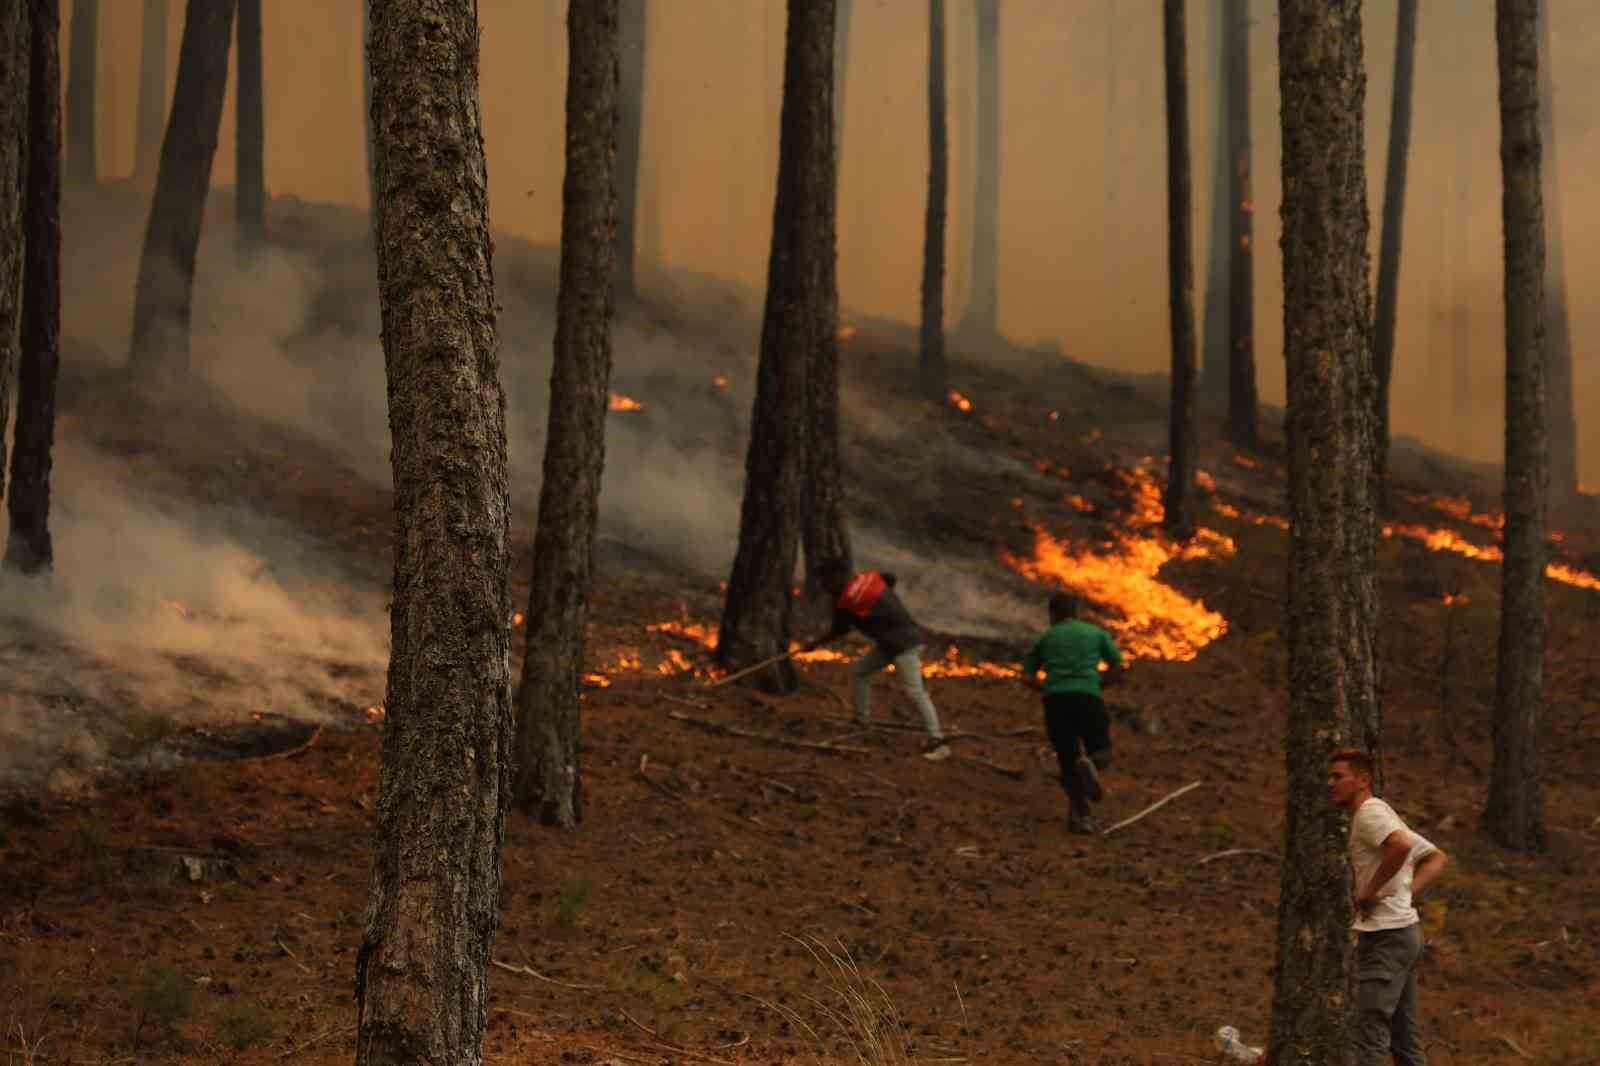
[574,894]
[164,998]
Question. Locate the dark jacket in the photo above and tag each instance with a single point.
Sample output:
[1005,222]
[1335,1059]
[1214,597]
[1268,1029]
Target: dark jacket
[879,613]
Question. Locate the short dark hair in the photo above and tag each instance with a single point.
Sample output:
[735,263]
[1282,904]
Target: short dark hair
[1358,759]
[1063,606]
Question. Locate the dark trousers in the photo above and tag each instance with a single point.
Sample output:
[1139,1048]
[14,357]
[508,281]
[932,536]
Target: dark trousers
[1068,718]
[1390,1022]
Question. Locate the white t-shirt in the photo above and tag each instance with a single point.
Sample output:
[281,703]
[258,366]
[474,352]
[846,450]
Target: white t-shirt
[1374,820]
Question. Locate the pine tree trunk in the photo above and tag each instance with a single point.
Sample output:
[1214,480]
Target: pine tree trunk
[13,134]
[799,319]
[28,548]
[633,20]
[152,88]
[422,969]
[1332,593]
[81,80]
[250,183]
[1563,421]
[164,295]
[574,453]
[1514,814]
[1180,274]
[983,306]
[1240,424]
[1215,364]
[932,359]
[1394,207]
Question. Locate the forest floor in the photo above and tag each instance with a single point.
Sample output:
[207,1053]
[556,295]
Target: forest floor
[750,866]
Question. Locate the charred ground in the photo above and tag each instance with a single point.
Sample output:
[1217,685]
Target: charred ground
[189,887]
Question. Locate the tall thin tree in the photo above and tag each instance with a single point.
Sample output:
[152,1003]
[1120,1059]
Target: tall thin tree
[799,317]
[548,709]
[1514,814]
[634,21]
[152,89]
[1559,392]
[422,969]
[1394,207]
[82,72]
[250,145]
[366,105]
[1213,384]
[1240,424]
[13,138]
[28,546]
[1332,593]
[983,305]
[1180,273]
[932,352]
[163,299]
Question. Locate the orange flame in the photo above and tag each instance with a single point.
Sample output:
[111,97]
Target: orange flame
[620,402]
[960,402]
[846,332]
[720,381]
[374,713]
[1152,620]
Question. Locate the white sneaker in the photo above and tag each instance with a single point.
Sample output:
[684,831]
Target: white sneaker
[937,754]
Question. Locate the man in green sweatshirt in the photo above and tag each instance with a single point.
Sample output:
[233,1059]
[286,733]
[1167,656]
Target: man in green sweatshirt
[1070,653]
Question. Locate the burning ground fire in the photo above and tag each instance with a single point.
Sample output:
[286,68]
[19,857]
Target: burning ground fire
[953,663]
[1150,620]
[620,402]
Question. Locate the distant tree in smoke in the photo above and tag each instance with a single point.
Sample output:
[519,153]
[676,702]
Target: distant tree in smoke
[28,545]
[1394,206]
[1180,274]
[983,306]
[548,708]
[13,135]
[164,297]
[82,71]
[152,88]
[634,20]
[1559,391]
[250,147]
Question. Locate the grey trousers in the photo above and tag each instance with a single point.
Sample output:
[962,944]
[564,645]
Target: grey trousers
[1390,1022]
[908,667]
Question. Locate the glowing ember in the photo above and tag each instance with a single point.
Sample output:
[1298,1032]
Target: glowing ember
[597,680]
[1245,461]
[1150,620]
[1455,599]
[675,663]
[960,402]
[699,632]
[516,618]
[846,332]
[620,402]
[374,713]
[1079,504]
[1055,416]
[720,381]
[1227,510]
[1205,481]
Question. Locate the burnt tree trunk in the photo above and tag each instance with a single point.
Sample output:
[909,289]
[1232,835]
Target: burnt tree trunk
[932,351]
[366,106]
[152,88]
[1214,327]
[1180,275]
[250,182]
[1332,593]
[164,295]
[1394,207]
[422,969]
[28,548]
[548,708]
[82,70]
[13,166]
[1240,424]
[1514,814]
[983,305]
[1563,421]
[799,317]
[632,15]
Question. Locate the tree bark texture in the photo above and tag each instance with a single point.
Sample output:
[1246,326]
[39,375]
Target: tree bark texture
[798,319]
[250,146]
[1240,425]
[1332,593]
[163,298]
[422,969]
[82,71]
[932,359]
[152,118]
[366,106]
[1394,207]
[1562,415]
[28,547]
[1180,275]
[633,21]
[1514,814]
[13,134]
[983,305]
[548,708]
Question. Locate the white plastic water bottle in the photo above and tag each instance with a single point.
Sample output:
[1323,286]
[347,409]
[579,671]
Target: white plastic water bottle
[1229,1044]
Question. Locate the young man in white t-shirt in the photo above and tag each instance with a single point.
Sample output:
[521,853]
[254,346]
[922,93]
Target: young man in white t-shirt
[1391,864]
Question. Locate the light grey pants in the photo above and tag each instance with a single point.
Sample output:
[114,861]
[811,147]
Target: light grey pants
[1390,1022]
[908,667]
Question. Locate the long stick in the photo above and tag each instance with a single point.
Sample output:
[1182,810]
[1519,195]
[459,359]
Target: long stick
[1157,805]
[747,671]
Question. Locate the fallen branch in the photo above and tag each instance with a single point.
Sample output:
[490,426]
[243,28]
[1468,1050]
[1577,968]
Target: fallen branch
[1006,771]
[677,1048]
[685,702]
[747,671]
[529,971]
[1157,805]
[319,1038]
[1231,852]
[787,742]
[301,749]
